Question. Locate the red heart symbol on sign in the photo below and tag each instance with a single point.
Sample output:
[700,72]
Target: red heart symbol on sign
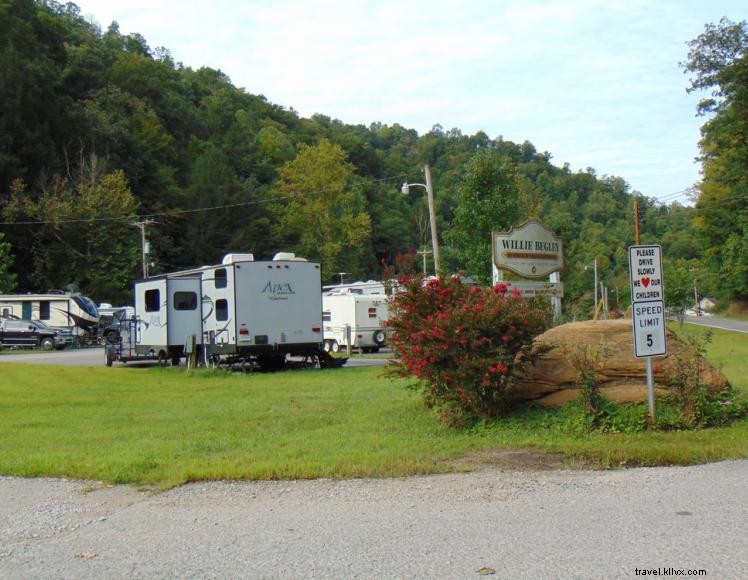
[645,281]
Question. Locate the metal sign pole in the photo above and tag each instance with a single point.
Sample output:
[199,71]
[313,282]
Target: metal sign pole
[650,391]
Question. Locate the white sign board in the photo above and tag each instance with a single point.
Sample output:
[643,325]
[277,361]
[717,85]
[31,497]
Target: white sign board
[645,269]
[648,301]
[650,338]
[529,250]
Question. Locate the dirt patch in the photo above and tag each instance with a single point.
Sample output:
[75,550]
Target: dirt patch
[516,460]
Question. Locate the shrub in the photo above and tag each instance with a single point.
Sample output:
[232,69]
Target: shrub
[589,362]
[463,343]
[700,405]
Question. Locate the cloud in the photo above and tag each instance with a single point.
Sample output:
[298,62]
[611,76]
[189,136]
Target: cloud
[595,83]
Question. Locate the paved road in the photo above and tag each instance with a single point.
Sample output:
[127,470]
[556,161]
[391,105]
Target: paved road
[553,524]
[95,357]
[716,322]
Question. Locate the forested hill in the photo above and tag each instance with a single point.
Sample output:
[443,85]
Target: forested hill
[99,133]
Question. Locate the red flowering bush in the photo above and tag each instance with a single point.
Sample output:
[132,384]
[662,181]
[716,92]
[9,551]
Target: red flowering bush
[461,342]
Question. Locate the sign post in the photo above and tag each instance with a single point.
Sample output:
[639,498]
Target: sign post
[648,309]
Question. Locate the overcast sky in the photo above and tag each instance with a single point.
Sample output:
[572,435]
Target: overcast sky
[594,83]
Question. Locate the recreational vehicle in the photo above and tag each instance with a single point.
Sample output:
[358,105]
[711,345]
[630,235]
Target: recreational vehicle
[263,310]
[56,308]
[354,318]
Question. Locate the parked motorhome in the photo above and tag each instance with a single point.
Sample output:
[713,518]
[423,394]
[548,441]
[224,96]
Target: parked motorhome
[358,317]
[56,308]
[264,310]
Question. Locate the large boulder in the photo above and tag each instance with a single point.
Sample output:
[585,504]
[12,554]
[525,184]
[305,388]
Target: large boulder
[552,380]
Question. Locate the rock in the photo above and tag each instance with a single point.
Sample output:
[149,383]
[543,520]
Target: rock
[552,380]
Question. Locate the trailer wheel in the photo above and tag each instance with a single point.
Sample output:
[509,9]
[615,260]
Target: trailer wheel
[109,358]
[162,360]
[326,346]
[48,344]
[379,337]
[175,360]
[334,346]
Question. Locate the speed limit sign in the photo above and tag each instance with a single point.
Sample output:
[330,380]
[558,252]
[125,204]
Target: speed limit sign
[649,329]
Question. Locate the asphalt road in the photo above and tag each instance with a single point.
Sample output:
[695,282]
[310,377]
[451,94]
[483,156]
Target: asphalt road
[716,322]
[95,357]
[504,524]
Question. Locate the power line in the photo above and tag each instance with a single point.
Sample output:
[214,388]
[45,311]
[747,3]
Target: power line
[172,212]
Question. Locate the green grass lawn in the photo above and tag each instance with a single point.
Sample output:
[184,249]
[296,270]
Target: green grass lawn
[163,427]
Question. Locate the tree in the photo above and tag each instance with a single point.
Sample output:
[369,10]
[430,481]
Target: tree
[81,233]
[7,278]
[324,212]
[488,200]
[718,59]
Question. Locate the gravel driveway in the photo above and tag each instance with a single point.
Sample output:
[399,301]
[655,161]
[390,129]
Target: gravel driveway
[504,524]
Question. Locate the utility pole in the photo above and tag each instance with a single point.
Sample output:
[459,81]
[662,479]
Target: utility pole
[423,253]
[143,242]
[636,222]
[594,315]
[432,213]
[432,218]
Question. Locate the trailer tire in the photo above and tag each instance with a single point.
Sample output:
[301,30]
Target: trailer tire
[48,344]
[162,360]
[334,346]
[327,346]
[109,358]
[378,337]
[175,360]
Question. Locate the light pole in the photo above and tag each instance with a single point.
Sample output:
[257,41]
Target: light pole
[594,310]
[432,214]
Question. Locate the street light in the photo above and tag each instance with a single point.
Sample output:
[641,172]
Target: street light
[594,311]
[432,214]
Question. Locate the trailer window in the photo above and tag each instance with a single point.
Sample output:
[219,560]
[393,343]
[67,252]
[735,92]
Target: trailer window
[185,300]
[220,278]
[152,300]
[326,316]
[44,310]
[222,309]
[373,312]
[7,312]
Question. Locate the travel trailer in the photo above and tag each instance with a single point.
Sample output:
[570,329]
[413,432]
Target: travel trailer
[56,308]
[264,310]
[354,318]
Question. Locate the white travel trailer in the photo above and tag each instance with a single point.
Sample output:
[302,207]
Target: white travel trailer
[359,317]
[56,308]
[168,317]
[261,310]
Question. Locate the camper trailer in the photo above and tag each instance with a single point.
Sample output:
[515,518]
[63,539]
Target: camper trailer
[261,310]
[354,318]
[56,308]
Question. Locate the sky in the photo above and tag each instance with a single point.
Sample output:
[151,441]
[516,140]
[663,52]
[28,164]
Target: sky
[597,84]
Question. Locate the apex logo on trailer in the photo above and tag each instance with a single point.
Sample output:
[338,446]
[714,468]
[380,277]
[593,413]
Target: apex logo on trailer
[278,290]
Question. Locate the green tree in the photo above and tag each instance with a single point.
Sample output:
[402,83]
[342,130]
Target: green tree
[718,59]
[488,200]
[325,212]
[7,278]
[81,233]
